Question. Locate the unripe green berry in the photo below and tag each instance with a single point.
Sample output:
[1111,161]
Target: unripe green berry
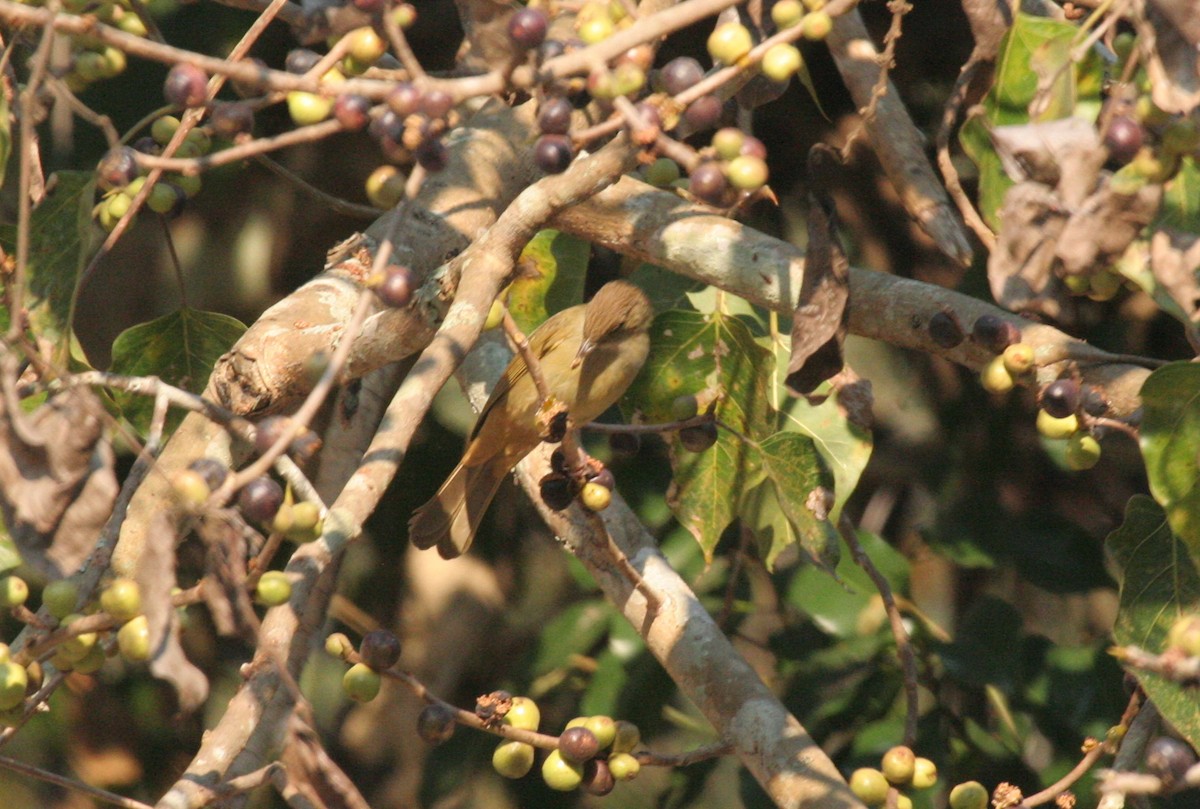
[1083,451]
[523,714]
[1018,358]
[595,29]
[385,187]
[662,172]
[623,766]
[604,728]
[273,589]
[995,377]
[781,62]
[122,599]
[1052,427]
[869,785]
[513,759]
[338,645]
[729,42]
[308,108]
[13,592]
[817,25]
[747,172]
[727,142]
[59,598]
[162,198]
[361,683]
[595,497]
[787,13]
[924,773]
[898,765]
[364,45]
[560,774]
[163,129]
[969,795]
[133,639]
[13,680]
[91,662]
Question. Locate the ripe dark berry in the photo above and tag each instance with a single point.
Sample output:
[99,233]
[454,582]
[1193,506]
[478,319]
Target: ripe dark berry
[387,127]
[1094,403]
[436,103]
[945,330]
[260,499]
[1061,398]
[556,491]
[753,147]
[396,288]
[704,113]
[147,145]
[435,724]
[404,99]
[117,168]
[578,744]
[301,60]
[1123,139]
[707,183]
[552,153]
[597,778]
[268,431]
[304,447]
[352,111]
[527,27]
[379,649]
[680,74]
[212,470]
[994,334]
[699,437]
[186,85]
[558,461]
[433,156]
[554,116]
[246,89]
[230,119]
[1169,759]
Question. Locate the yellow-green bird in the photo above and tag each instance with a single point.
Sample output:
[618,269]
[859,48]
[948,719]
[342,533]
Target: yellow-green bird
[589,355]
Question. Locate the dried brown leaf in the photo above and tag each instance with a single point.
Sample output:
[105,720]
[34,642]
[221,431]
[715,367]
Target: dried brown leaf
[156,578]
[819,322]
[57,485]
[1169,34]
[1020,268]
[1175,262]
[1101,229]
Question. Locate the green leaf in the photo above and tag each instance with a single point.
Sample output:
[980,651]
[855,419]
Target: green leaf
[552,270]
[573,631]
[803,490]
[666,290]
[180,348]
[60,230]
[844,446]
[1159,583]
[1033,68]
[715,358]
[1170,438]
[1181,199]
[849,606]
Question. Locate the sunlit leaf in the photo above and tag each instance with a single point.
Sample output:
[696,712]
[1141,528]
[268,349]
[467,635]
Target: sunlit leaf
[716,359]
[849,606]
[179,348]
[844,446]
[803,492]
[59,230]
[1159,583]
[1170,438]
[552,269]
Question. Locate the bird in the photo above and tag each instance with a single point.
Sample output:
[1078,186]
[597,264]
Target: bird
[589,355]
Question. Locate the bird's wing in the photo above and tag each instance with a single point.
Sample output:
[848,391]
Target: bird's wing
[545,337]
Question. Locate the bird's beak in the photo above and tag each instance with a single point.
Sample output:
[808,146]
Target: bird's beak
[585,348]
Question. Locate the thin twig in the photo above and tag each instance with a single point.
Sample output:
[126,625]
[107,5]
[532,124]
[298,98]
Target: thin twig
[68,783]
[904,650]
[335,204]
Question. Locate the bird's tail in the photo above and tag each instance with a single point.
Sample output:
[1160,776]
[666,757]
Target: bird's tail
[449,520]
